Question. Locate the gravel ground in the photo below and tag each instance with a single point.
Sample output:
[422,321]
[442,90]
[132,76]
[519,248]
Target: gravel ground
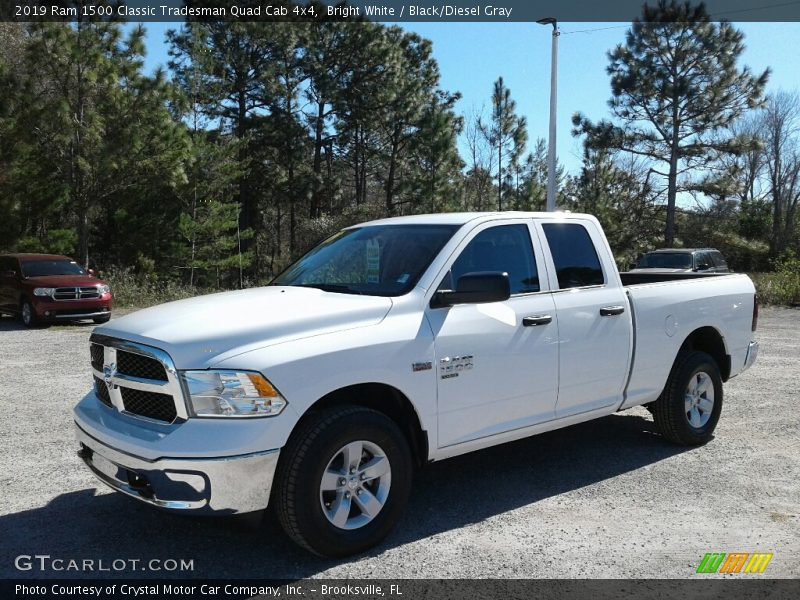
[607,498]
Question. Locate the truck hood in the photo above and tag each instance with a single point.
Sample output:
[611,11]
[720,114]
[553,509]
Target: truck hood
[202,331]
[56,281]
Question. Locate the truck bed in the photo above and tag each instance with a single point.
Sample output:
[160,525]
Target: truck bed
[667,307]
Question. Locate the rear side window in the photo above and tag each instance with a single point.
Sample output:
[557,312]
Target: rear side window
[574,255]
[703,258]
[719,260]
[505,248]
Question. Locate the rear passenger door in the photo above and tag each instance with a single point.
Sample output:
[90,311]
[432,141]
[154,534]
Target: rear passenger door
[594,327]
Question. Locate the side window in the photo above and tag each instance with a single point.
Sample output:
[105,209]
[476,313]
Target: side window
[703,258]
[574,255]
[505,248]
[719,260]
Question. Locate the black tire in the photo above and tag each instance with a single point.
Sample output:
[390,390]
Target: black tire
[101,320]
[27,315]
[312,446]
[669,411]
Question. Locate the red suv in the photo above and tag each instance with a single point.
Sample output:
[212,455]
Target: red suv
[44,288]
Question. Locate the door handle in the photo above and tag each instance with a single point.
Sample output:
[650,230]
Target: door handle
[610,311]
[536,320]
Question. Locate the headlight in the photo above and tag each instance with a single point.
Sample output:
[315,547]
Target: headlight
[103,289]
[232,394]
[44,291]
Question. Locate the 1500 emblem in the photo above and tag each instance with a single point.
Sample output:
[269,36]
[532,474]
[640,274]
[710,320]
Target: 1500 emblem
[452,366]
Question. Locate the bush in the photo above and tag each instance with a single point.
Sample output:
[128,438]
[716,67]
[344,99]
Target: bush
[783,286]
[140,290]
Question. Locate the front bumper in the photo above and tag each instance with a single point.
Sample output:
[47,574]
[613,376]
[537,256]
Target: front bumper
[47,309]
[229,485]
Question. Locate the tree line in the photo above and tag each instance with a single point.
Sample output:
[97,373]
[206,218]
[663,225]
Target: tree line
[259,139]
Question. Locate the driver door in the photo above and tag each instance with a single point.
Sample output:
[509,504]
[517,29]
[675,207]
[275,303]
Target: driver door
[497,363]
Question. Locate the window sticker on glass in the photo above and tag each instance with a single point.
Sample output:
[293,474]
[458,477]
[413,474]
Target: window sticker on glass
[373,261]
[403,278]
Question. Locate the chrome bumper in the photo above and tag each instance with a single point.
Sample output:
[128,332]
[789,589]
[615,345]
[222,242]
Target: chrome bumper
[229,485]
[752,354]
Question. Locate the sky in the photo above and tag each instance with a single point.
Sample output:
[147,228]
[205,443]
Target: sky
[472,56]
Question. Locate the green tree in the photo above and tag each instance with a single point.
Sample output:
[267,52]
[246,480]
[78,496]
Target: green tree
[676,88]
[93,126]
[236,64]
[619,194]
[507,134]
[437,163]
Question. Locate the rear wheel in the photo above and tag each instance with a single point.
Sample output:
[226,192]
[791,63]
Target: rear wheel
[344,480]
[689,408]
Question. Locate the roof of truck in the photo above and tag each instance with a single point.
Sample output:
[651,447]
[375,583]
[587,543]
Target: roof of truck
[464,217]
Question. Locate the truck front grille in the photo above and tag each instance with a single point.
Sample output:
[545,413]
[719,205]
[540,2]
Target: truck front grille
[149,404]
[138,380]
[101,390]
[76,293]
[96,352]
[137,365]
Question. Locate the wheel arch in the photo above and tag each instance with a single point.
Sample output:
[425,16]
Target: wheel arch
[709,340]
[385,399]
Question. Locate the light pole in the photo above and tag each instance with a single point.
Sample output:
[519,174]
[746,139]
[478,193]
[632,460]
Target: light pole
[551,146]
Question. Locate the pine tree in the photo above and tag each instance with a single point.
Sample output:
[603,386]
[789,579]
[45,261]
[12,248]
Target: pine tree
[676,87]
[619,194]
[92,126]
[507,134]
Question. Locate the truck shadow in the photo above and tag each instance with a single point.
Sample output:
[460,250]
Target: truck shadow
[446,496]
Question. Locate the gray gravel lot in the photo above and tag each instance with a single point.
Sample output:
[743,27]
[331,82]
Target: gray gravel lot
[607,498]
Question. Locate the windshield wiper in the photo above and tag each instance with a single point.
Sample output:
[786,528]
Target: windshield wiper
[330,287]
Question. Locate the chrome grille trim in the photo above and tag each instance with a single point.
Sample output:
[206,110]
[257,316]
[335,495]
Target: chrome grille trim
[172,387]
[75,293]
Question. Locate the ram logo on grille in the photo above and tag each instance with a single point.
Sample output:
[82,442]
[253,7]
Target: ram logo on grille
[108,373]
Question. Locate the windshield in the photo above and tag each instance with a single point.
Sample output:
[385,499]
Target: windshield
[46,268]
[381,260]
[666,260]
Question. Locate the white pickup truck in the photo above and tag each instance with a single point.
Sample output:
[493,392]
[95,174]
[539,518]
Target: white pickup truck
[392,344]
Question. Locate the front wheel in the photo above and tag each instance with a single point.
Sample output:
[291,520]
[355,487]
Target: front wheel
[27,314]
[101,320]
[344,480]
[689,408]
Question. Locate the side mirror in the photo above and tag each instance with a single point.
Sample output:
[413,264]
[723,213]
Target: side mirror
[475,288]
[91,272]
